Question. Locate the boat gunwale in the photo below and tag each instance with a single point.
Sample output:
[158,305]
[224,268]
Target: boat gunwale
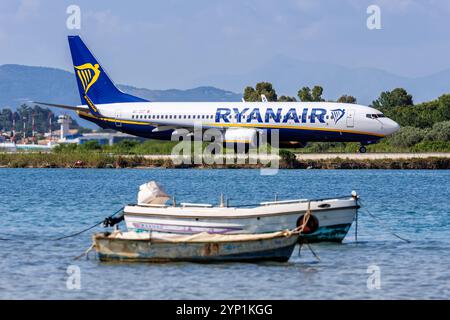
[102,236]
[235,216]
[253,206]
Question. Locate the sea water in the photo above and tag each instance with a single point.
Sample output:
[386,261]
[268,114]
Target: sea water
[37,205]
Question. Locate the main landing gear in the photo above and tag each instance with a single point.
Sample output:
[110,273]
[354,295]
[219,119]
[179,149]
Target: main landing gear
[362,149]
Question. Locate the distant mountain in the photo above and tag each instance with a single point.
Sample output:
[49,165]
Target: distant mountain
[288,75]
[21,84]
[196,94]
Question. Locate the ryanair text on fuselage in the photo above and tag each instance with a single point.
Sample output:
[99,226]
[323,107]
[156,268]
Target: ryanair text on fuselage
[271,115]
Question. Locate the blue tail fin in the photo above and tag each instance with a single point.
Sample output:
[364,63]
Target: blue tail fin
[94,85]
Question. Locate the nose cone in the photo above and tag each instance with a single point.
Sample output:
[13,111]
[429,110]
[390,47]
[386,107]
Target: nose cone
[391,126]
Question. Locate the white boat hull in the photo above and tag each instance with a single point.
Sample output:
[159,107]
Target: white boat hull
[334,217]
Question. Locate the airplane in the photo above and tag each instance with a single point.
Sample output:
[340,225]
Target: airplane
[240,122]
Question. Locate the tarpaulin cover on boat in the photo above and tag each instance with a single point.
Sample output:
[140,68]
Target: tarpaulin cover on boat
[201,237]
[152,193]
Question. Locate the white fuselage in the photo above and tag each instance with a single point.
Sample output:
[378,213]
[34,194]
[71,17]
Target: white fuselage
[312,120]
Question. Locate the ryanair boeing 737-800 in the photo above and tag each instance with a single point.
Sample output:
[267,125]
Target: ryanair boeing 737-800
[298,122]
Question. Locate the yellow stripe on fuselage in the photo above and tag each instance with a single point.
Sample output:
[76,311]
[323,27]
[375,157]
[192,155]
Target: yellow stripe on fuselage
[237,141]
[241,125]
[81,113]
[282,126]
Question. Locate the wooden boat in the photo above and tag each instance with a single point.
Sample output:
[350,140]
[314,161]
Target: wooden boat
[331,218]
[202,247]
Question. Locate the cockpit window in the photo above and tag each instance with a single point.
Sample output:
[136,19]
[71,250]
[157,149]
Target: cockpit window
[375,115]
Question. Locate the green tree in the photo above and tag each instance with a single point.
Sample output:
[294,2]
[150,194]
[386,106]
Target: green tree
[254,94]
[26,114]
[304,94]
[287,99]
[316,93]
[346,99]
[398,97]
[444,107]
[266,89]
[6,119]
[250,94]
[422,115]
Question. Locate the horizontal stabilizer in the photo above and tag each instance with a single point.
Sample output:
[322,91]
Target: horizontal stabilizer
[63,106]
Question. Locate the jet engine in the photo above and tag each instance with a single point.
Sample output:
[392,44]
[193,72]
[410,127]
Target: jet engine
[241,138]
[292,144]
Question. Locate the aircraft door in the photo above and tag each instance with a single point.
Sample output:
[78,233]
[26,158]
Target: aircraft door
[351,118]
[117,120]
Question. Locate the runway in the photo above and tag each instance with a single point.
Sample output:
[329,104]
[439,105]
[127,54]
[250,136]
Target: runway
[350,156]
[371,156]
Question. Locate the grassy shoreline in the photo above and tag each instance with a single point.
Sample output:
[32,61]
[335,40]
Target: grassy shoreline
[287,161]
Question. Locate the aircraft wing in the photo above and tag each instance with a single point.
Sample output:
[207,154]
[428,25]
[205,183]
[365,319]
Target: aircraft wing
[74,108]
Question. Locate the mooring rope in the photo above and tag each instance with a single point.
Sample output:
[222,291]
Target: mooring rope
[306,217]
[382,224]
[300,229]
[86,253]
[63,237]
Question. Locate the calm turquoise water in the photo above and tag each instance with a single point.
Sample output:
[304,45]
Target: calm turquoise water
[39,203]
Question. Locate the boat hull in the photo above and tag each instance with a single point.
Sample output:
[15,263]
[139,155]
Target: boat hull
[278,249]
[334,218]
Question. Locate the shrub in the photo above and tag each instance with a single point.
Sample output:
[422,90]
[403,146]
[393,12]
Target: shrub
[432,146]
[90,145]
[65,147]
[124,146]
[407,137]
[439,132]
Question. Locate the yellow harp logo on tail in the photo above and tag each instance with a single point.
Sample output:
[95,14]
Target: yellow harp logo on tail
[88,75]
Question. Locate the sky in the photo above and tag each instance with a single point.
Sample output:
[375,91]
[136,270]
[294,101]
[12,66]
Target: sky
[173,43]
